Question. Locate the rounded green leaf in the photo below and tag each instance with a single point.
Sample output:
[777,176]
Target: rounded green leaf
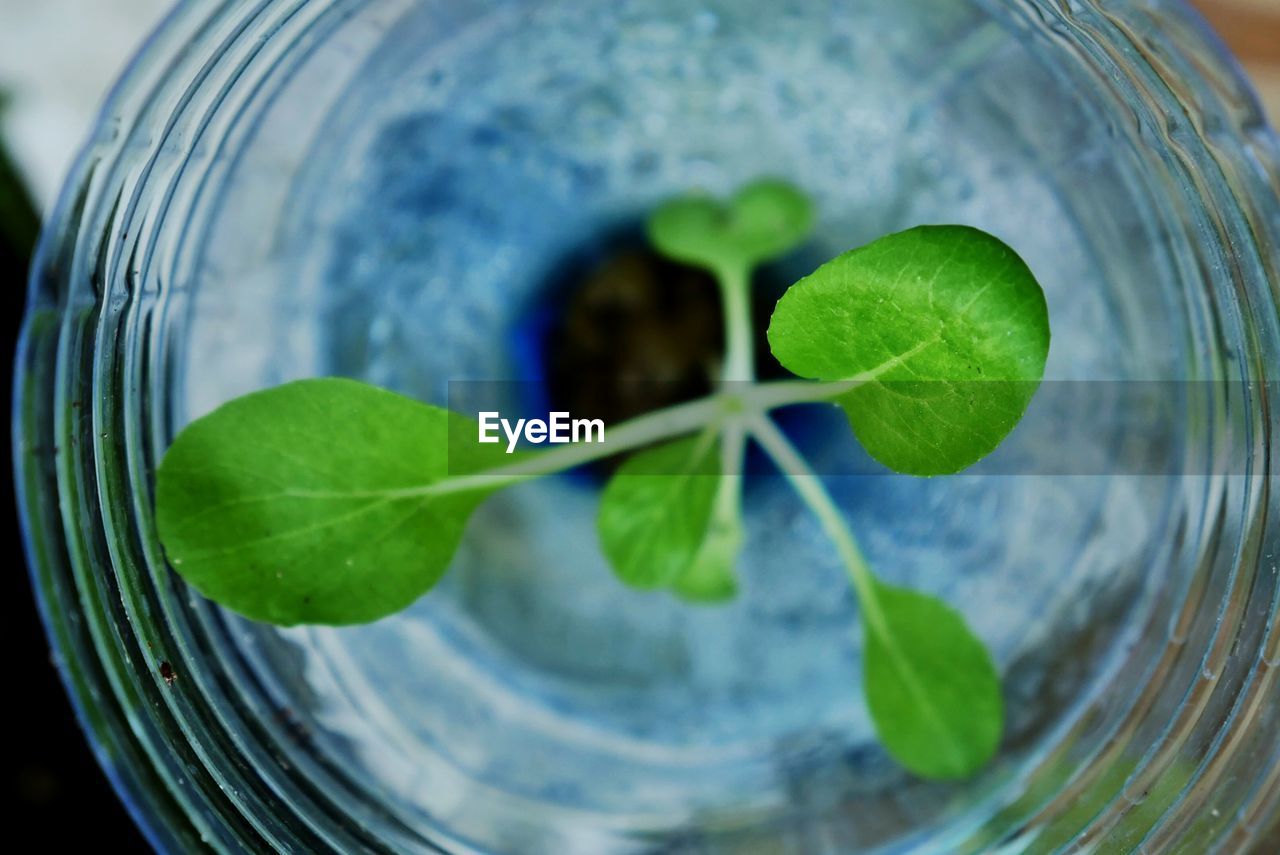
[711,578]
[946,326]
[765,220]
[932,688]
[656,509]
[307,503]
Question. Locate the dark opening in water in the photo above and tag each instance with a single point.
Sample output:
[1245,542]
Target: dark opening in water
[621,331]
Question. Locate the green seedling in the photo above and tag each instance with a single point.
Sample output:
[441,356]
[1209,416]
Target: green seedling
[333,502]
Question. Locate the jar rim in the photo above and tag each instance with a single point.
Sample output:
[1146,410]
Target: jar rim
[1165,61]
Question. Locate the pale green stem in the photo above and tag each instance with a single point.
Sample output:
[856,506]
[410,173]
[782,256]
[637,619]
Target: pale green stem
[719,409]
[815,495]
[735,292]
[762,397]
[754,399]
[733,447]
[647,429]
[739,369]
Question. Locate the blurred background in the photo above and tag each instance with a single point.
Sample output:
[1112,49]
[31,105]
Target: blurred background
[57,58]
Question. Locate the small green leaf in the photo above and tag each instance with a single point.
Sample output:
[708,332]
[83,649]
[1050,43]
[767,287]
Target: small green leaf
[945,323]
[931,685]
[765,220]
[655,511]
[306,503]
[711,578]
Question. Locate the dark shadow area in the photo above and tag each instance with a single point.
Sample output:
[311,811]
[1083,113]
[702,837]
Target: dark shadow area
[621,331]
[55,792]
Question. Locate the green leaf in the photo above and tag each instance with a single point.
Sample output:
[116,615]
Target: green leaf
[307,503]
[765,220]
[711,579]
[947,326]
[656,509]
[932,688]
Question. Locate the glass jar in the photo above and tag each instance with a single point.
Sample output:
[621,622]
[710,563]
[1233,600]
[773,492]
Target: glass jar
[383,189]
